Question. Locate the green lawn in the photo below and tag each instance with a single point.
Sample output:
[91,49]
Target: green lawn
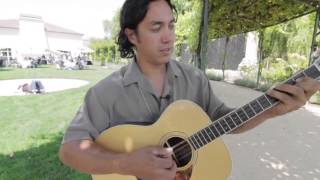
[31,127]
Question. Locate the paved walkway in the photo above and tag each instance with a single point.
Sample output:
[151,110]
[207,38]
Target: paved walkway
[284,148]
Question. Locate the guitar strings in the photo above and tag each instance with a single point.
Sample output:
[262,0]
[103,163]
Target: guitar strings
[180,152]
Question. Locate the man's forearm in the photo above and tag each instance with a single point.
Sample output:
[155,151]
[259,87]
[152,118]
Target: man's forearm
[88,157]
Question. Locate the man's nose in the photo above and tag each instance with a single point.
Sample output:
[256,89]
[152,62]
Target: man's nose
[168,35]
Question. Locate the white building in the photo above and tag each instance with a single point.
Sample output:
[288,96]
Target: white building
[31,36]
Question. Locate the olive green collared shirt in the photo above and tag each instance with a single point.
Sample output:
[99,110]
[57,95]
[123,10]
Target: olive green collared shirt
[127,97]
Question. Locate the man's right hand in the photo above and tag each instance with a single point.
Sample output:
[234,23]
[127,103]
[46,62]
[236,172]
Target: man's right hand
[151,163]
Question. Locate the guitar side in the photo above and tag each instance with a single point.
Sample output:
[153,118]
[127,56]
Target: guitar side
[182,118]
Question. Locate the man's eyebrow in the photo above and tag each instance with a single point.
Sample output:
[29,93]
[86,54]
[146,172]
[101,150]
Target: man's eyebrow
[161,22]
[156,22]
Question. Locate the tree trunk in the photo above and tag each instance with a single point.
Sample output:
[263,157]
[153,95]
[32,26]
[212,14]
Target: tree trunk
[203,38]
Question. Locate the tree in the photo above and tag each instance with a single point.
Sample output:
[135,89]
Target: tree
[115,27]
[109,46]
[107,26]
[104,50]
[187,26]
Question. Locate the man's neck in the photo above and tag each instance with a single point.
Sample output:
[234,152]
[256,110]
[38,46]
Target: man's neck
[151,70]
[155,73]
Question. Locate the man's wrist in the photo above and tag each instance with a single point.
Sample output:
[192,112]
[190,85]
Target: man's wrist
[119,164]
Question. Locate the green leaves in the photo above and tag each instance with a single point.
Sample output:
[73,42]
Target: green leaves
[228,17]
[189,18]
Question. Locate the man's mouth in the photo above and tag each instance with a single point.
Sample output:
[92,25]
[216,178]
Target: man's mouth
[165,50]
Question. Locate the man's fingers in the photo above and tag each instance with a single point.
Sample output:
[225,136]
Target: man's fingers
[162,152]
[309,85]
[280,95]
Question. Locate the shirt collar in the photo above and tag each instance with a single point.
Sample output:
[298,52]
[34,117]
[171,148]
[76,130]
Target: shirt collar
[173,69]
[134,74]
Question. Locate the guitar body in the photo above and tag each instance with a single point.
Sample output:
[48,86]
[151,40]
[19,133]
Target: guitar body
[180,120]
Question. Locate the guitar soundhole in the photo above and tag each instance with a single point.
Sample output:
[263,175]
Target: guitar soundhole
[182,151]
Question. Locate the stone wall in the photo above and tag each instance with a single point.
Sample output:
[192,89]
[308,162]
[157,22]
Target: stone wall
[235,52]
[216,48]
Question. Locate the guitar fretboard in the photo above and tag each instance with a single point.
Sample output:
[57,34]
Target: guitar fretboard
[239,116]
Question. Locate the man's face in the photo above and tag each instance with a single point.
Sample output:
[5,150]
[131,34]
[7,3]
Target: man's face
[155,35]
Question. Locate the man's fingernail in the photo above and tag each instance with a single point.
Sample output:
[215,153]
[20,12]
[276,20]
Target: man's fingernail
[170,150]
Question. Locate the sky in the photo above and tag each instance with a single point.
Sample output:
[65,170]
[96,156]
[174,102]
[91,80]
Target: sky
[83,16]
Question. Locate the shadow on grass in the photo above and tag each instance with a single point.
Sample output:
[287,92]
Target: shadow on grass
[5,69]
[39,162]
[43,66]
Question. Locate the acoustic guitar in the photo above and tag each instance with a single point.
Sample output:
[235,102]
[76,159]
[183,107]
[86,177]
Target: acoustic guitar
[197,149]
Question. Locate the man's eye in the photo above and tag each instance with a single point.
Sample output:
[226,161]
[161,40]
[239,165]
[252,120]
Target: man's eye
[155,29]
[172,26]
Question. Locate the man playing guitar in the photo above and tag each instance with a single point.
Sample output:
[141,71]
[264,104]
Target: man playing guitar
[139,93]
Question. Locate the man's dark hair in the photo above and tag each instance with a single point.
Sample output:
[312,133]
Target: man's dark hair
[132,13]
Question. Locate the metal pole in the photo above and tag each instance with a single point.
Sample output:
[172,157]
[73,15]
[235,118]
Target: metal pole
[260,56]
[316,32]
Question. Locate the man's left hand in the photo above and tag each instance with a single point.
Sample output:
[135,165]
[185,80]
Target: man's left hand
[292,97]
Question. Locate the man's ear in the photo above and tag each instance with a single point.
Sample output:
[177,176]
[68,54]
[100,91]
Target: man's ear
[132,36]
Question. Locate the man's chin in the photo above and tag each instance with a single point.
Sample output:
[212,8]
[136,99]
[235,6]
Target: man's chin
[165,59]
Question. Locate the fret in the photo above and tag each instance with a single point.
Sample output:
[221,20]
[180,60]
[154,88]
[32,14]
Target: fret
[230,122]
[198,140]
[256,107]
[194,140]
[263,102]
[208,138]
[192,143]
[210,133]
[213,125]
[312,72]
[293,80]
[213,129]
[235,118]
[245,113]
[219,128]
[224,125]
[267,99]
[243,117]
[259,104]
[203,138]
[272,100]
[304,74]
[209,127]
[247,108]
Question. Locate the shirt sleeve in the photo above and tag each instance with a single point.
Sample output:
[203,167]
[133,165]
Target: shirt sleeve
[214,107]
[89,121]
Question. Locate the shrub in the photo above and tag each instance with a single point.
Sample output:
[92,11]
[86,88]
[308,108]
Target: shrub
[246,83]
[212,75]
[315,99]
[279,69]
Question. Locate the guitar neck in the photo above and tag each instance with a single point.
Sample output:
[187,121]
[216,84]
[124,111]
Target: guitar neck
[244,114]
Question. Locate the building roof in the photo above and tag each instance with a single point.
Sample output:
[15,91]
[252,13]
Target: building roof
[10,23]
[14,24]
[53,28]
